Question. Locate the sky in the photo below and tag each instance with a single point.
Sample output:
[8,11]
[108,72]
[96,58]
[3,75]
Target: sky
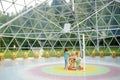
[13,6]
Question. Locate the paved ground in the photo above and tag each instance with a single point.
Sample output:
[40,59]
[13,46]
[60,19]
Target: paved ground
[97,68]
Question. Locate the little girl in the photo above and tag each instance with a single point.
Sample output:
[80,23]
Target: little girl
[66,57]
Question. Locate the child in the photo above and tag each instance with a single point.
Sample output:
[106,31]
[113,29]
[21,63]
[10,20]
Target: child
[78,59]
[66,56]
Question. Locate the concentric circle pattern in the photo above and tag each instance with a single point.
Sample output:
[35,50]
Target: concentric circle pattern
[92,72]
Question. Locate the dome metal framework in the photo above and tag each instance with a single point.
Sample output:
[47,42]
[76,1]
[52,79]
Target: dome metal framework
[40,23]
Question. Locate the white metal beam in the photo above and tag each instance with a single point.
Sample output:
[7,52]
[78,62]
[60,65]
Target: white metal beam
[19,16]
[92,14]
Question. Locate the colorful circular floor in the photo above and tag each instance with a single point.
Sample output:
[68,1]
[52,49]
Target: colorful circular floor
[57,72]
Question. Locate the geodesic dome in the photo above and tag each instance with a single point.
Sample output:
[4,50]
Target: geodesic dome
[36,23]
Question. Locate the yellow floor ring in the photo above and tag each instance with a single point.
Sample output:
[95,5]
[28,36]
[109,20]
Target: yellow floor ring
[90,70]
